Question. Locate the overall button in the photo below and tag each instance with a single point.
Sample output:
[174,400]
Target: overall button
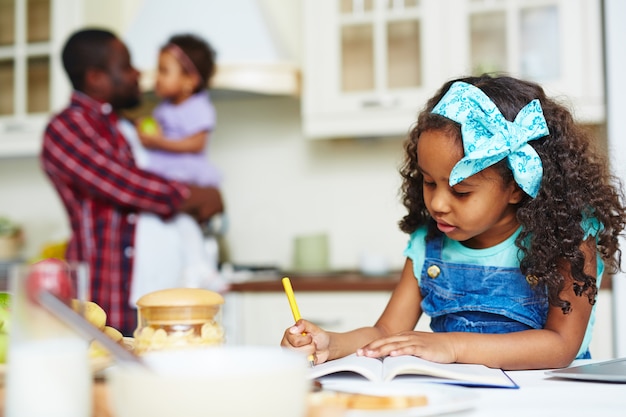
[532,280]
[433,271]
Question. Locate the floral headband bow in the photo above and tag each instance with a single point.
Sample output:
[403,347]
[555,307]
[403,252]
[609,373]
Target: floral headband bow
[488,137]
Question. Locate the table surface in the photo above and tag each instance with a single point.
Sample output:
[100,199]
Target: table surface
[538,395]
[542,395]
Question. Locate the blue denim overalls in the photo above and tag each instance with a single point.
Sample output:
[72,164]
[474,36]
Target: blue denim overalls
[479,299]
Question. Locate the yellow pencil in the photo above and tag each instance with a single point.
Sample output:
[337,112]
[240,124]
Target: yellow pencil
[294,308]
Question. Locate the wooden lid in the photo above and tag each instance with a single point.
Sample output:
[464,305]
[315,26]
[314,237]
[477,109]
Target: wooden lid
[180,297]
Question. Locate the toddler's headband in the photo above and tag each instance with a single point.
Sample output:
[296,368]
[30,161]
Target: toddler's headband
[489,138]
[183,59]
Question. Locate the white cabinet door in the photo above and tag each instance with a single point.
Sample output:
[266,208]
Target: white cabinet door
[557,43]
[261,318]
[370,65]
[33,84]
[32,81]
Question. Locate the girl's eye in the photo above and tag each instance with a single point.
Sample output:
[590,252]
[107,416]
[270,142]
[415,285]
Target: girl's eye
[428,183]
[460,193]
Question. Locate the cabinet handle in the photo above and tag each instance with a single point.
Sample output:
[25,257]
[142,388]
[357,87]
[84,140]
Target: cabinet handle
[15,127]
[387,102]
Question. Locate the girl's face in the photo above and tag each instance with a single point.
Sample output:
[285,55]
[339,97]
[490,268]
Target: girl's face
[172,82]
[479,211]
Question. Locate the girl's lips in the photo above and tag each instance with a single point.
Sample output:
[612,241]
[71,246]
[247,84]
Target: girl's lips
[445,228]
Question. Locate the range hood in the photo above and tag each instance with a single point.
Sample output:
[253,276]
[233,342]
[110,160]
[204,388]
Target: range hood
[250,57]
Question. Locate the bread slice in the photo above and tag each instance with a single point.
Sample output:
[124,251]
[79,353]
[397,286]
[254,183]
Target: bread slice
[368,402]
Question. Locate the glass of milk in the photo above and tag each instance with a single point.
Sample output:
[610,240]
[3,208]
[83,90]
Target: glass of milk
[48,367]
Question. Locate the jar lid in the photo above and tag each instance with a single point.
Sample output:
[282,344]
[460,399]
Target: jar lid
[180,297]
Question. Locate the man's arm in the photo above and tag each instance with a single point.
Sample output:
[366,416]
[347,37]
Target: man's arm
[95,165]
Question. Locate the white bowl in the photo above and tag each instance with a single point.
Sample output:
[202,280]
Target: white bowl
[223,381]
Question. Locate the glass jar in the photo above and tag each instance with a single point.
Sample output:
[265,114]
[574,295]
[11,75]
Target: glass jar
[178,318]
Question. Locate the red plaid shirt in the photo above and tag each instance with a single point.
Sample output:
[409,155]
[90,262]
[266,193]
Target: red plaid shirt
[93,170]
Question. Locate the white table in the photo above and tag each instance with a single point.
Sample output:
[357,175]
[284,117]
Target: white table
[538,395]
[541,395]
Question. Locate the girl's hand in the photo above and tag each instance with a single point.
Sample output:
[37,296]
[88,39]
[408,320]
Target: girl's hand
[309,339]
[435,347]
[149,132]
[151,141]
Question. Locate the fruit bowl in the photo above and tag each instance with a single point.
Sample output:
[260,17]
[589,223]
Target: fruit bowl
[102,362]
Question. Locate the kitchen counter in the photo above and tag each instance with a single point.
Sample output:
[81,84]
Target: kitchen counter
[331,281]
[256,310]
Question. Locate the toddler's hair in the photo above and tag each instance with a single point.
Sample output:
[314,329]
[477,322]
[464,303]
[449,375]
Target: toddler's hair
[200,53]
[576,184]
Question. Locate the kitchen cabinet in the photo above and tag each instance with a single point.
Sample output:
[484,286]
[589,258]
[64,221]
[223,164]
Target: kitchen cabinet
[33,84]
[260,318]
[370,65]
[257,312]
[557,43]
[263,317]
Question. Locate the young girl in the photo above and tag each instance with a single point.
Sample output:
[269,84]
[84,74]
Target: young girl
[511,217]
[173,254]
[186,117]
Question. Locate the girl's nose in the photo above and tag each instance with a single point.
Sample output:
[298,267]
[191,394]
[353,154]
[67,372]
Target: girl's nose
[439,201]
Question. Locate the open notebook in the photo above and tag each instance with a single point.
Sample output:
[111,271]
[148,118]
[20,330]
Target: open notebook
[607,371]
[414,368]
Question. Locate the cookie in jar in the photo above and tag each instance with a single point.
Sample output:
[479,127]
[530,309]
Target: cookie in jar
[178,318]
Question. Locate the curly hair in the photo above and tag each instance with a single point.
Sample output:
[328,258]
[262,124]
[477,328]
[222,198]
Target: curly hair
[576,185]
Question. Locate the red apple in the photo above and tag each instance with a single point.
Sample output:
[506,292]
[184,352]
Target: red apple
[51,275]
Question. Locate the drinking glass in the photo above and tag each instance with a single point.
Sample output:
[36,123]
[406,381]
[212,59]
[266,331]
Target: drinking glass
[48,367]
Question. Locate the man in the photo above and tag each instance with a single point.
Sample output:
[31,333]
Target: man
[92,168]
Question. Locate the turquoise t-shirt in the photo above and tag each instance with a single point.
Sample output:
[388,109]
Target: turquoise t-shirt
[504,254]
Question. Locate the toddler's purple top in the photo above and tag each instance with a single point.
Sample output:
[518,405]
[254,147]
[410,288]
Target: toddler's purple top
[177,121]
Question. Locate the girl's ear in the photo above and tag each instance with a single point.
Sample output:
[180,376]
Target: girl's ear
[190,83]
[516,195]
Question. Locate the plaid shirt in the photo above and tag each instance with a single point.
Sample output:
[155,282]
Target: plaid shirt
[93,170]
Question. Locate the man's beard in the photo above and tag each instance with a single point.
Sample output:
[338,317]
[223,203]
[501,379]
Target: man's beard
[128,98]
[124,103]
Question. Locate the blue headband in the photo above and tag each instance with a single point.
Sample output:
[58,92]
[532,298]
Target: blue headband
[489,138]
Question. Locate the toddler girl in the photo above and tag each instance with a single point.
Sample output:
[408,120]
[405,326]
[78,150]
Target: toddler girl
[172,253]
[512,218]
[186,116]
